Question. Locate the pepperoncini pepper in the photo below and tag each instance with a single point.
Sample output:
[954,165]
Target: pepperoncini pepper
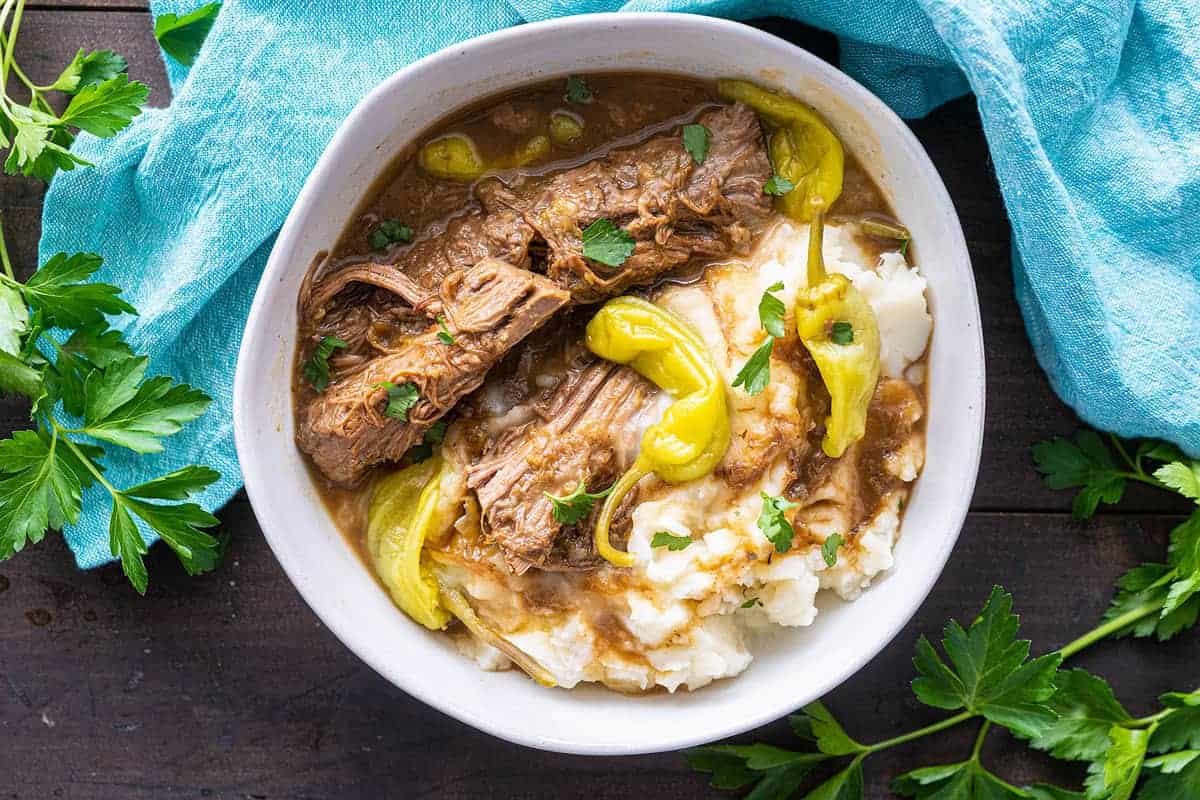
[454,157]
[835,322]
[802,149]
[693,434]
[402,515]
[406,511]
[833,319]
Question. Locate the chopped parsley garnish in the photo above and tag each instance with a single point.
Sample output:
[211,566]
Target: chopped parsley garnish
[607,244]
[771,311]
[578,90]
[829,548]
[754,376]
[432,438]
[401,399]
[751,602]
[841,332]
[390,231]
[572,508]
[670,541]
[778,185]
[444,336]
[316,369]
[774,523]
[904,247]
[695,141]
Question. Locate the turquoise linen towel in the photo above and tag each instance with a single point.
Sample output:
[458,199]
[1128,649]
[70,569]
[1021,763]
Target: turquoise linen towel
[1092,114]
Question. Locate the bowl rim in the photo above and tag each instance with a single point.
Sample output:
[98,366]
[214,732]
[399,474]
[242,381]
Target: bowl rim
[340,147]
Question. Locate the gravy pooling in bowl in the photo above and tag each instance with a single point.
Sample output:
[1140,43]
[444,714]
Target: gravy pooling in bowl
[466,435]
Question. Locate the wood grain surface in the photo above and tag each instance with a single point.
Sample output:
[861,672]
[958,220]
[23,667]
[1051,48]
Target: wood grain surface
[227,686]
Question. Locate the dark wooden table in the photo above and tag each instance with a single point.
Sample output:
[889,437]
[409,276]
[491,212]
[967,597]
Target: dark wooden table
[227,685]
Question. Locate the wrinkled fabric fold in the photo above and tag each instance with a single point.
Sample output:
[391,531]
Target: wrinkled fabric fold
[1090,111]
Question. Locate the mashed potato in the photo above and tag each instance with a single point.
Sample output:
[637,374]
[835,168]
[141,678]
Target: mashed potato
[678,617]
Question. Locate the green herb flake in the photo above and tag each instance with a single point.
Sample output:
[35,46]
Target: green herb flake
[771,311]
[316,368]
[841,332]
[670,541]
[755,374]
[572,508]
[751,602]
[829,548]
[607,244]
[695,142]
[777,186]
[401,399]
[578,90]
[390,231]
[773,522]
[444,336]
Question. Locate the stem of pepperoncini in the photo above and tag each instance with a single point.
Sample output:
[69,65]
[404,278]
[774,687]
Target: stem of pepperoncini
[816,241]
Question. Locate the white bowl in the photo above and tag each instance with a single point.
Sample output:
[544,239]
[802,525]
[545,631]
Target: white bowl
[794,666]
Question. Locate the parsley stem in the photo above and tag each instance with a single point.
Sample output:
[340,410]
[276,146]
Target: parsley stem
[949,722]
[4,259]
[82,456]
[1109,628]
[1120,448]
[983,732]
[1153,719]
[12,40]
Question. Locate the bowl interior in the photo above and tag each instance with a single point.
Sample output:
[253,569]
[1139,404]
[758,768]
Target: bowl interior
[791,667]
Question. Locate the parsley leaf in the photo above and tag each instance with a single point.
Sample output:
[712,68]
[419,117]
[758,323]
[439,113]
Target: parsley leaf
[1084,463]
[178,485]
[607,244]
[774,772]
[771,311]
[103,109]
[570,509]
[670,541]
[844,785]
[1183,477]
[390,231]
[755,374]
[444,336]
[14,320]
[774,523]
[967,780]
[841,332]
[1181,729]
[829,736]
[829,548]
[695,142]
[121,408]
[578,90]
[1179,778]
[1042,791]
[316,368]
[777,185]
[990,672]
[401,399]
[1116,773]
[181,37]
[434,435]
[59,291]
[1147,586]
[1086,709]
[751,602]
[89,69]
[39,489]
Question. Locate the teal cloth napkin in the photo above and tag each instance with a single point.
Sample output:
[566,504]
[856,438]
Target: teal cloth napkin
[1091,112]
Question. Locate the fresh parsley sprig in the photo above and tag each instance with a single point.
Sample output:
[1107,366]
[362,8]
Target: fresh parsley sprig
[572,508]
[986,673]
[88,389]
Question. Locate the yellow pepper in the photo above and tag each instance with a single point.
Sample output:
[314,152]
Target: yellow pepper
[453,157]
[565,126]
[835,322]
[693,434]
[802,149]
[403,514]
